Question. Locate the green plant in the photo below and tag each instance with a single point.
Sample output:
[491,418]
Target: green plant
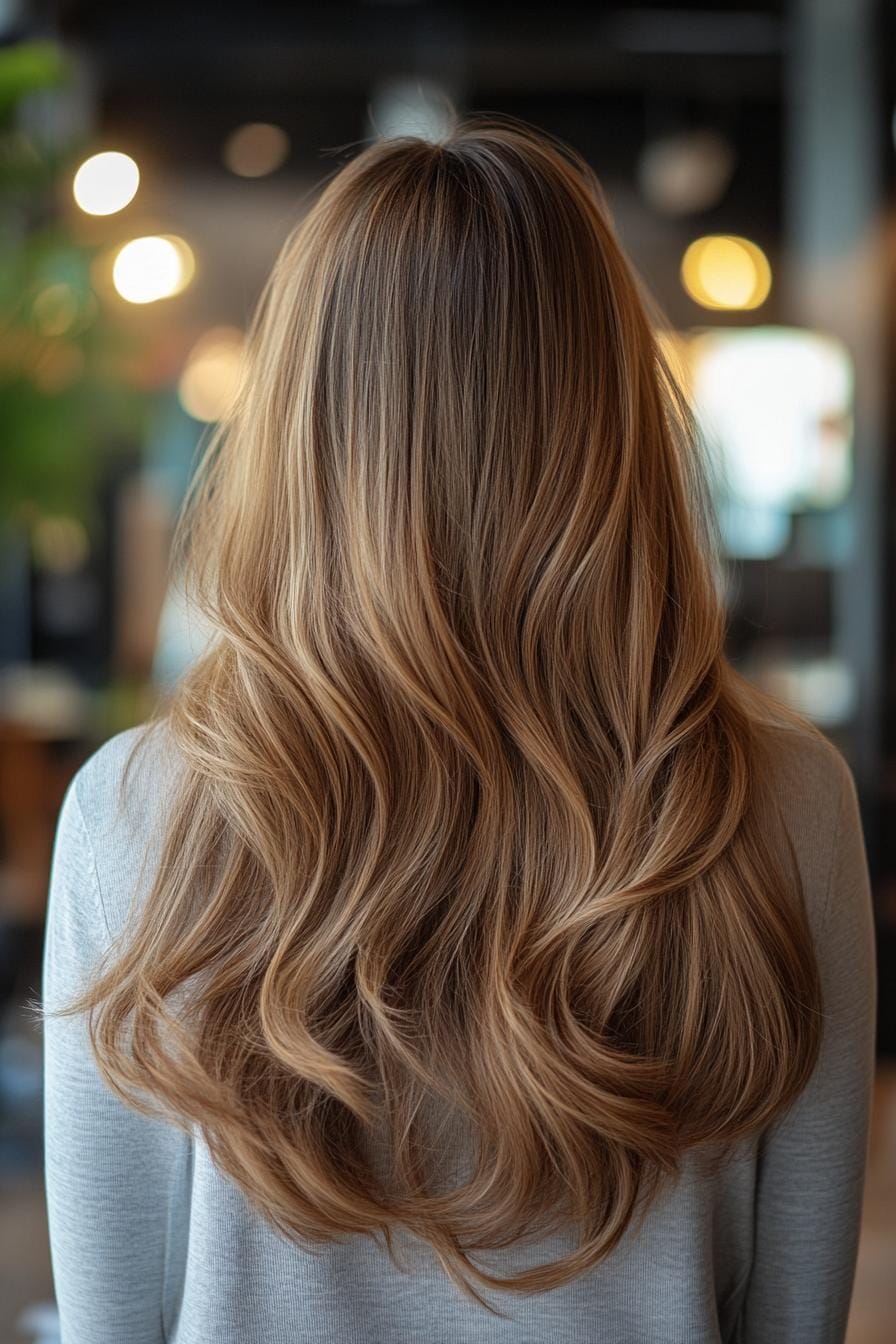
[67,394]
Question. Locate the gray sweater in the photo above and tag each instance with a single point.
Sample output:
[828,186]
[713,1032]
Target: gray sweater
[151,1243]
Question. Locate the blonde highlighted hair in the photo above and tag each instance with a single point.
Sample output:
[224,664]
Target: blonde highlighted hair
[474,814]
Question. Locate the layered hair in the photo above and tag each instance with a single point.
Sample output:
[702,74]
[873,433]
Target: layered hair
[473,815]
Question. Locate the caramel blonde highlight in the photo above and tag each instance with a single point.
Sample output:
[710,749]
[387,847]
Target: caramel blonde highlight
[473,815]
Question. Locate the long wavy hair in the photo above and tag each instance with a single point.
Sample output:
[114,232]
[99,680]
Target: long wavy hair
[474,815]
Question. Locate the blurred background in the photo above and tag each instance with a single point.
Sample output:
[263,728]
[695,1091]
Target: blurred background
[152,160]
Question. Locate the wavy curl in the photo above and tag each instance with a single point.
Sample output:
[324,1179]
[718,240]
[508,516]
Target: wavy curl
[473,819]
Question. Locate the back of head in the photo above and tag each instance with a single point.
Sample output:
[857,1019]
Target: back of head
[470,813]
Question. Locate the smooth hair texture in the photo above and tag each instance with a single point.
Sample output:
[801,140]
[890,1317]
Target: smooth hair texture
[474,817]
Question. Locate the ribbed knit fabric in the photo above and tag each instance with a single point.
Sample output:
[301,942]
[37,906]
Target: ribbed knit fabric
[151,1243]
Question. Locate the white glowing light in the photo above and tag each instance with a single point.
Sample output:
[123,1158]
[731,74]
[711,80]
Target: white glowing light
[774,406]
[106,183]
[152,268]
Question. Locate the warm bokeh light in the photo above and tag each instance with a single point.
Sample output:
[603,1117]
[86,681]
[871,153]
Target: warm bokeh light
[723,271]
[681,174]
[211,376]
[106,183]
[256,149]
[151,268]
[55,309]
[60,544]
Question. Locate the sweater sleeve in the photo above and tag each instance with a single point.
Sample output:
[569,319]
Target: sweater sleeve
[812,1161]
[112,1175]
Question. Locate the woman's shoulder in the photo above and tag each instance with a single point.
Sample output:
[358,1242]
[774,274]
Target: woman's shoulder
[807,767]
[812,788]
[791,759]
[123,792]
[127,771]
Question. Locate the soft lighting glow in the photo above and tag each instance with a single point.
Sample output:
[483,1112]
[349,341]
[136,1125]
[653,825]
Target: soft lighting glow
[823,689]
[256,149]
[774,408]
[414,106]
[211,377]
[683,173]
[151,268]
[106,183]
[722,271]
[60,544]
[55,309]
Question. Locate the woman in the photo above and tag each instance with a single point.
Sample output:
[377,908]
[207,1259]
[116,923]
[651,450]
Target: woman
[470,954]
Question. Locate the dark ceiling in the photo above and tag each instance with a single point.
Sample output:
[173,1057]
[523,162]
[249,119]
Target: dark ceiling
[169,81]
